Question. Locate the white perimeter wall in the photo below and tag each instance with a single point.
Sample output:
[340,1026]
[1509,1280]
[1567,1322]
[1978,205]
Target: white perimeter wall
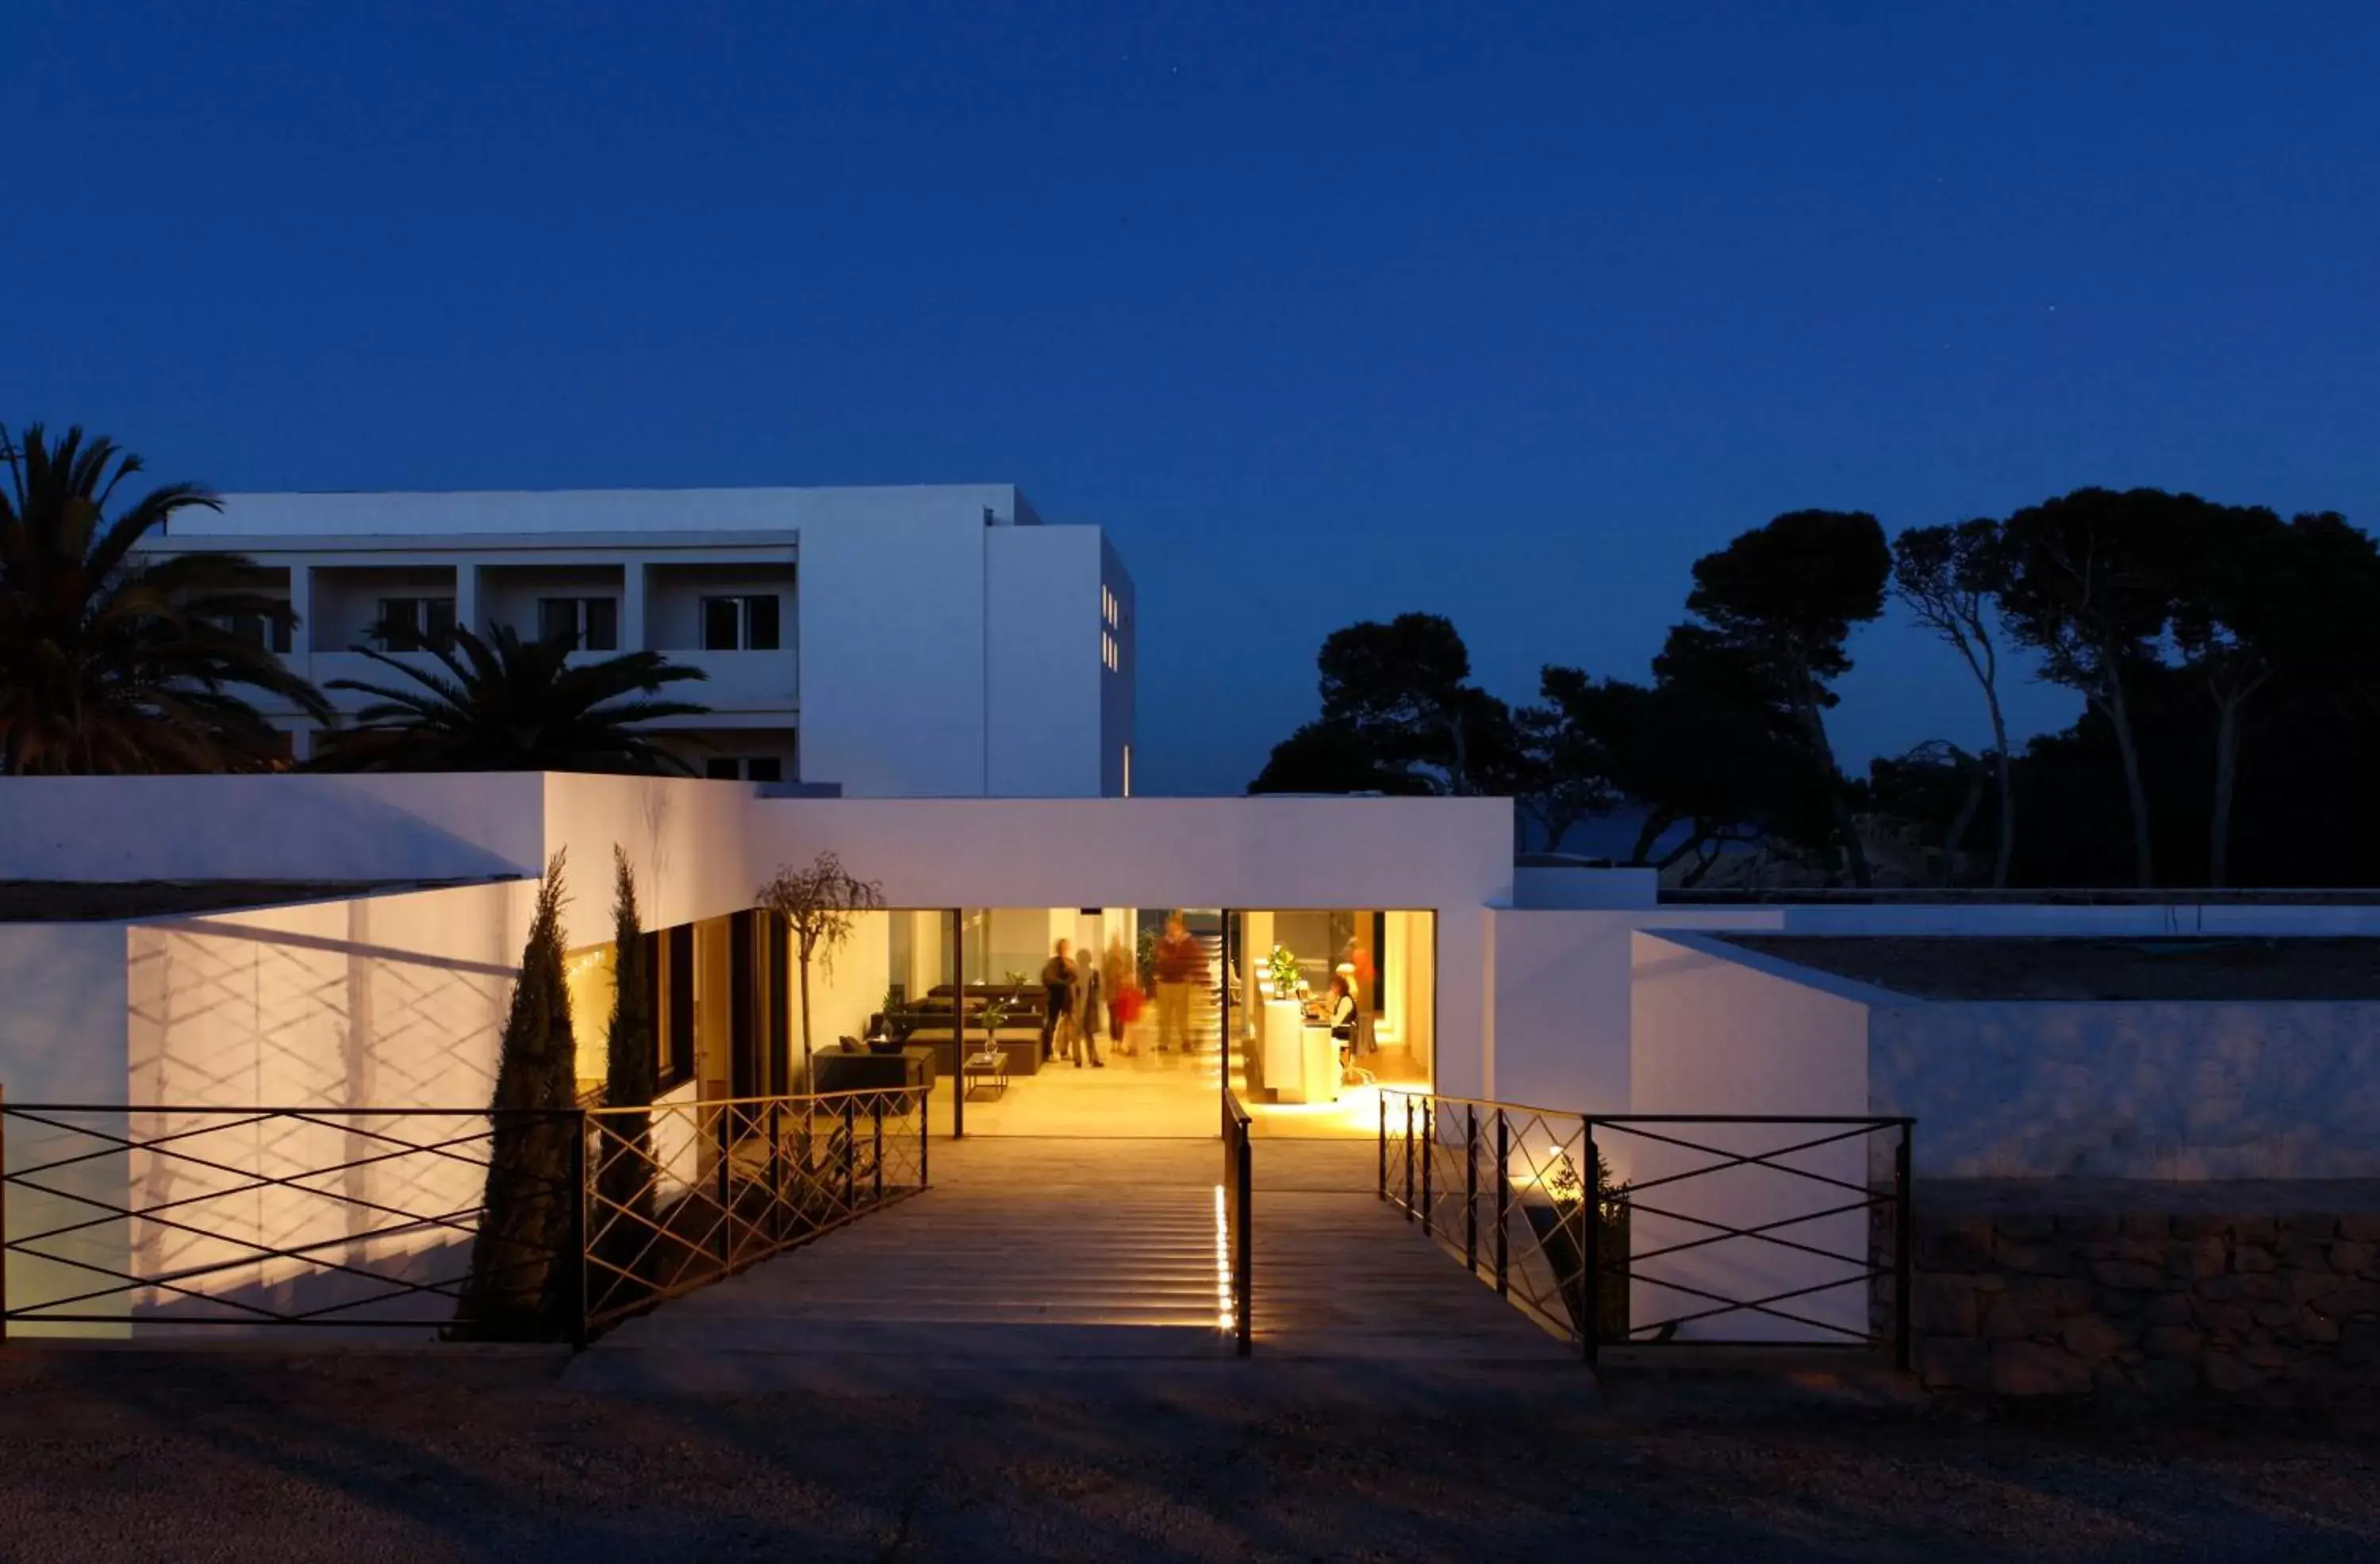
[1041,667]
[63,1041]
[1563,983]
[2199,1090]
[1718,1030]
[391,1001]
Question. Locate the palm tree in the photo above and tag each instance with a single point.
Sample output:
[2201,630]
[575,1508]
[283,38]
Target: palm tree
[109,663]
[504,704]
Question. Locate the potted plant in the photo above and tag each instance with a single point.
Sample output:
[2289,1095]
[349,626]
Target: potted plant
[1282,972]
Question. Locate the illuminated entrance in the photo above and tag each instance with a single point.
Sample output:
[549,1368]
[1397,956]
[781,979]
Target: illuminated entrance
[1305,1012]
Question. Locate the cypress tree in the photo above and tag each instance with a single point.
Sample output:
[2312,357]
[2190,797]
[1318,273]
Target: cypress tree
[623,1215]
[521,1282]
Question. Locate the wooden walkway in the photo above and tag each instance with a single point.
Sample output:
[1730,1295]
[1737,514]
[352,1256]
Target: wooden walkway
[1052,1251]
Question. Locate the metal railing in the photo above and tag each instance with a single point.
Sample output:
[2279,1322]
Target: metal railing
[1236,1231]
[1719,1229]
[262,1216]
[163,1217]
[681,1194]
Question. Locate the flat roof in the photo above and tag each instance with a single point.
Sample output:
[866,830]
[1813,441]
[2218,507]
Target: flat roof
[2070,967]
[120,901]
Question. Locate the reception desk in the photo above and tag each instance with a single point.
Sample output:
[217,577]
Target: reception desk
[1301,1061]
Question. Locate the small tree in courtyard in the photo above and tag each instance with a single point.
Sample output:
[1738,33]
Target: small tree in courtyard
[822,904]
[519,1285]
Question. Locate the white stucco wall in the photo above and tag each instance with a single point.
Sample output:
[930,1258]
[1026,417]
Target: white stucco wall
[2134,1090]
[297,827]
[892,653]
[1719,1031]
[1563,1000]
[63,1042]
[1041,666]
[391,1001]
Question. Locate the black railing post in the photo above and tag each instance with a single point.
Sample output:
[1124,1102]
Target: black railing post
[1382,1100]
[3,1213]
[925,1133]
[1244,1245]
[1409,1205]
[850,1151]
[776,1170]
[1590,1310]
[1503,1198]
[576,1302]
[726,1193]
[875,1115]
[1429,1155]
[1471,1188]
[1904,1233]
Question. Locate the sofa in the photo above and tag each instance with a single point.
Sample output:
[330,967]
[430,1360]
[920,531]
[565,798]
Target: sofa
[926,1023]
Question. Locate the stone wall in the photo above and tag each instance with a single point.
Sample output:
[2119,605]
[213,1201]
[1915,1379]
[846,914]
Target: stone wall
[2164,1290]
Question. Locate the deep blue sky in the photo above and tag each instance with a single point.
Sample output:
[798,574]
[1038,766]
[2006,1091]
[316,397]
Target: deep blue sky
[1327,311]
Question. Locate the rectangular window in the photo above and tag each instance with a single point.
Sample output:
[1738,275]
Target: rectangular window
[744,624]
[264,631]
[592,622]
[416,623]
[760,623]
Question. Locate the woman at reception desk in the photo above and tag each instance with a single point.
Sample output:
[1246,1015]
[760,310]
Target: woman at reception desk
[1302,1043]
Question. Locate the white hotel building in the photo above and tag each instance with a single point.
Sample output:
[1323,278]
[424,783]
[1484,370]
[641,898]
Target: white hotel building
[953,681]
[934,641]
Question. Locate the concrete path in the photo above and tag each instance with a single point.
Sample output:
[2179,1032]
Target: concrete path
[1039,1256]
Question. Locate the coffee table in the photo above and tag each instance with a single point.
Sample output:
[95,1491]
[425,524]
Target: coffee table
[986,1072]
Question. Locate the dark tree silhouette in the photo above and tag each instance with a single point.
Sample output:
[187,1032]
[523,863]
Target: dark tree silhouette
[1785,597]
[1950,577]
[109,663]
[504,704]
[1399,716]
[2089,586]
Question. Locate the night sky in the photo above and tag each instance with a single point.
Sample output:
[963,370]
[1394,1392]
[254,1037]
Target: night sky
[1326,312]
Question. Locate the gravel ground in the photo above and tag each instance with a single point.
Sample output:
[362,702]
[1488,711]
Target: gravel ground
[249,1454]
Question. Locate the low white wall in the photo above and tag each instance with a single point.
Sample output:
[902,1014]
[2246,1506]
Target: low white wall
[2139,1090]
[1563,992]
[1719,1031]
[62,1041]
[386,1002]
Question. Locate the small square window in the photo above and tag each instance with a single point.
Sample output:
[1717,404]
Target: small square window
[765,769]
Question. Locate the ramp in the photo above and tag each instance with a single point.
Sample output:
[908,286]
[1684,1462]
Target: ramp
[1032,1258]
